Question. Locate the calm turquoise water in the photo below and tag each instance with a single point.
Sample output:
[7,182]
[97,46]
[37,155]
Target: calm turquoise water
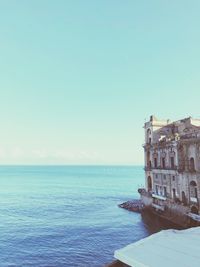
[66,216]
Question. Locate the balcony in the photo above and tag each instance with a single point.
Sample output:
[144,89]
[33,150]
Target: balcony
[158,196]
[174,168]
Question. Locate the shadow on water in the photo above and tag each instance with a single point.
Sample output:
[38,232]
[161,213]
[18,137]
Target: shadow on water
[154,223]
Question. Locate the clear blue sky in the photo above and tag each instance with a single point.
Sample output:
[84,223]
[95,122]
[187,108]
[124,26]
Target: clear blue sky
[78,78]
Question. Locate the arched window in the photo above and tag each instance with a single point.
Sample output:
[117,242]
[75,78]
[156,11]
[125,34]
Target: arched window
[172,162]
[174,193]
[165,191]
[192,165]
[193,189]
[149,181]
[155,162]
[148,159]
[163,162]
[149,136]
[193,183]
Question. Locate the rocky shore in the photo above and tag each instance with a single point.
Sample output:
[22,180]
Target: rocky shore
[132,205]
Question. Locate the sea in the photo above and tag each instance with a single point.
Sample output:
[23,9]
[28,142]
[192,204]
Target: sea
[54,216]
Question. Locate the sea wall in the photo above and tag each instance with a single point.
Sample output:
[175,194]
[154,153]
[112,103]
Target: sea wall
[173,212]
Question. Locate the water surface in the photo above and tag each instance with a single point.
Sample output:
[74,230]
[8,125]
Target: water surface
[53,216]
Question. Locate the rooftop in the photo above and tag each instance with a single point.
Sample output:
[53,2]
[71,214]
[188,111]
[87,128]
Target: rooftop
[167,248]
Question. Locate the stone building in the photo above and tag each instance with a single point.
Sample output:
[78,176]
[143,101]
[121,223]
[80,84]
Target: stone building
[172,169]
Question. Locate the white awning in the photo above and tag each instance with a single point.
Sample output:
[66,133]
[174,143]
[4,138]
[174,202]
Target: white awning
[172,248]
[159,197]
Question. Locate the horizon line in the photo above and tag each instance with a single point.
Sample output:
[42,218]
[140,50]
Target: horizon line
[70,165]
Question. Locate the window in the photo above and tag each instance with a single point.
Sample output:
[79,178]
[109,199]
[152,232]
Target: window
[173,178]
[172,162]
[193,189]
[163,163]
[149,136]
[149,181]
[161,190]
[164,177]
[174,193]
[165,191]
[155,163]
[192,165]
[157,189]
[196,194]
[148,159]
[184,200]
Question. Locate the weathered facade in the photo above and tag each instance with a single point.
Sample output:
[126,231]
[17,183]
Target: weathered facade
[172,170]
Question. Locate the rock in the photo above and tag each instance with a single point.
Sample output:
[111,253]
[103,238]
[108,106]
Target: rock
[132,205]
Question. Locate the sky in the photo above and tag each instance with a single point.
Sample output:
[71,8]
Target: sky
[78,79]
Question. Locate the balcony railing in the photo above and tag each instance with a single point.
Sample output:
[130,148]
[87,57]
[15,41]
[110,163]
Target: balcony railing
[158,196]
[148,168]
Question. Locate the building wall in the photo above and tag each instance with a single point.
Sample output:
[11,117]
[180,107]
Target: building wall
[175,174]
